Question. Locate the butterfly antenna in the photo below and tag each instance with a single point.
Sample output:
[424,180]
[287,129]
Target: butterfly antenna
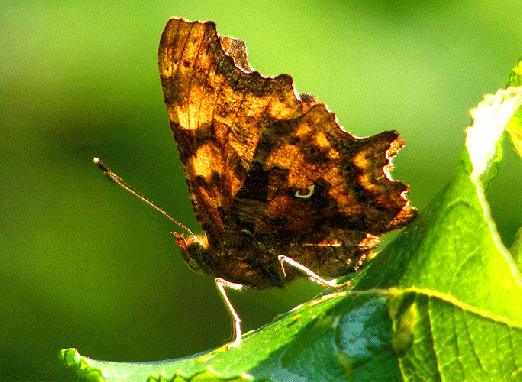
[119,181]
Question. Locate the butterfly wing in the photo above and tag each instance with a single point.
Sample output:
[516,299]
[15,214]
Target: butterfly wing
[270,172]
[217,108]
[318,194]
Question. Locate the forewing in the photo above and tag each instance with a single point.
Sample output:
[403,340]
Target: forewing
[217,108]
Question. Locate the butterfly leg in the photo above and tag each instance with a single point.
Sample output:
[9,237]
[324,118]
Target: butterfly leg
[311,275]
[221,285]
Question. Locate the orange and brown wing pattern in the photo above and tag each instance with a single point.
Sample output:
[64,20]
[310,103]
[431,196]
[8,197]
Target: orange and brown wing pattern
[270,172]
[320,195]
[217,109]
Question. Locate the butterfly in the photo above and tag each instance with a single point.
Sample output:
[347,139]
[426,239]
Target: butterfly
[279,188]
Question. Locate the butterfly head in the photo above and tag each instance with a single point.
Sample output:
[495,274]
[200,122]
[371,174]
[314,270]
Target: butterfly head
[195,250]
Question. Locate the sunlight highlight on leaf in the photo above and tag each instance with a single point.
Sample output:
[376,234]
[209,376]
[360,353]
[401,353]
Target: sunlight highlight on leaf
[490,117]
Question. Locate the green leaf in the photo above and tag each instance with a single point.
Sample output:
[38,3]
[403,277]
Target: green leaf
[514,128]
[328,338]
[442,302]
[453,341]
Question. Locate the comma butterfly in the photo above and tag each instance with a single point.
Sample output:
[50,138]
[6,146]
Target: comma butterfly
[279,188]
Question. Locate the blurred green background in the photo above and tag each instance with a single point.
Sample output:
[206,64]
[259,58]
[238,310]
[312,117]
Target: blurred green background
[84,264]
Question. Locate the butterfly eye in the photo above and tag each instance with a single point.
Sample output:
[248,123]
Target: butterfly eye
[305,196]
